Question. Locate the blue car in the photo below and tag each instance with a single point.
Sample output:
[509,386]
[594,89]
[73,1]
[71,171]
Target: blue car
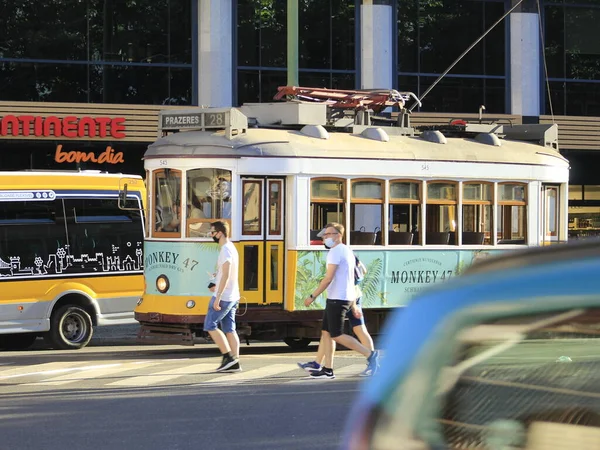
[506,356]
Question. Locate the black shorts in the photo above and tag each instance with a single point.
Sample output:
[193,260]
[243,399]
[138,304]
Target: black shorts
[334,316]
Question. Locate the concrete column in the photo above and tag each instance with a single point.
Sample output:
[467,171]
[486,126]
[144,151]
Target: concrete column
[376,20]
[215,53]
[525,58]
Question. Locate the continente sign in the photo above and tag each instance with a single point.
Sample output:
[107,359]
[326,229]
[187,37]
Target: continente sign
[69,127]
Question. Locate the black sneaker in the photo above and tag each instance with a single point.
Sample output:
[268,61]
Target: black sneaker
[228,362]
[235,368]
[323,373]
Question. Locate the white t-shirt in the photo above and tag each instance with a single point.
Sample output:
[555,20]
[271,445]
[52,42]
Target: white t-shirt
[231,293]
[342,285]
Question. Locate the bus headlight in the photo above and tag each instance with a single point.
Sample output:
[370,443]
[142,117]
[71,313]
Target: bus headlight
[190,304]
[162,284]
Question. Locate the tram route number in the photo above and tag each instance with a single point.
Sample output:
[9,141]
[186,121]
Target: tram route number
[200,121]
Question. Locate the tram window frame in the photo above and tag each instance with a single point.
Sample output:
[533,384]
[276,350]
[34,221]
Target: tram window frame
[486,207]
[504,214]
[317,220]
[259,219]
[200,227]
[417,202]
[366,201]
[434,208]
[177,174]
[275,225]
[147,200]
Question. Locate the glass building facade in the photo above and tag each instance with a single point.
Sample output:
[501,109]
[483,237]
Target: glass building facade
[572,50]
[432,35]
[96,51]
[326,43]
[143,51]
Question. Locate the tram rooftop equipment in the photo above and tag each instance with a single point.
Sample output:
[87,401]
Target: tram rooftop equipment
[316,112]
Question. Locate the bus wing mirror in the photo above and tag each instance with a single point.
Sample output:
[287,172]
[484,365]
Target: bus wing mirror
[127,204]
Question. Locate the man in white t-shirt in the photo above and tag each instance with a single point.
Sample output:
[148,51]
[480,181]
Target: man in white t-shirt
[223,305]
[341,297]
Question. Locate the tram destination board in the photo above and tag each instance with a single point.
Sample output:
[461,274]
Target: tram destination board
[195,120]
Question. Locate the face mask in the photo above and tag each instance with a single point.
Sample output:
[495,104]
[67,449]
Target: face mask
[215,238]
[329,242]
[325,245]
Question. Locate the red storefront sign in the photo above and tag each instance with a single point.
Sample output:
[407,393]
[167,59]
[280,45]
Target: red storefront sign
[70,127]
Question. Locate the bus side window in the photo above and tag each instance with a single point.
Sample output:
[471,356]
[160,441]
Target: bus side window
[30,231]
[100,229]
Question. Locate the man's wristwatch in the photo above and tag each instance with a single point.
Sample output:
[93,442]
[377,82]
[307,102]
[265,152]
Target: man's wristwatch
[312,296]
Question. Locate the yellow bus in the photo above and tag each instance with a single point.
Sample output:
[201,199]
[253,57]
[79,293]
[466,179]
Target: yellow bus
[70,256]
[419,205]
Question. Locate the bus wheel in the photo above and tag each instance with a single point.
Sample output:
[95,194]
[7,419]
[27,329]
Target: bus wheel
[297,343]
[70,328]
[19,341]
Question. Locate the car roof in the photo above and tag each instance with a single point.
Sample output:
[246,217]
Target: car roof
[528,282]
[534,256]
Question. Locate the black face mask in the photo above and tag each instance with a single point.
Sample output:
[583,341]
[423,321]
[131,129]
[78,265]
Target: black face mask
[216,239]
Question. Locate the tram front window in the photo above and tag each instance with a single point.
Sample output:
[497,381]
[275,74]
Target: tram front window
[167,201]
[208,199]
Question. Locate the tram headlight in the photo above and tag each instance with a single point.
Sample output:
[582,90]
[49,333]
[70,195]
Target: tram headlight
[162,284]
[139,302]
[190,304]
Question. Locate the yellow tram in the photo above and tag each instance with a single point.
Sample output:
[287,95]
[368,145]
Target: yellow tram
[419,206]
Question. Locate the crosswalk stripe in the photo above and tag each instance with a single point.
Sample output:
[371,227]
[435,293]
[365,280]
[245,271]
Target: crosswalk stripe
[62,373]
[93,372]
[238,377]
[165,375]
[352,369]
[40,369]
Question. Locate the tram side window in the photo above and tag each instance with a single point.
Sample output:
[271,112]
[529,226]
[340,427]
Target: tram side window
[327,197]
[167,203]
[366,212]
[30,231]
[477,214]
[404,213]
[440,227]
[108,235]
[208,199]
[512,214]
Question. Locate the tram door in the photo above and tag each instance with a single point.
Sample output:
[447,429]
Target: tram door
[261,246]
[550,213]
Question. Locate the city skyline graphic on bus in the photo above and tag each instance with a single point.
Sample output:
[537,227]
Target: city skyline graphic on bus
[62,262]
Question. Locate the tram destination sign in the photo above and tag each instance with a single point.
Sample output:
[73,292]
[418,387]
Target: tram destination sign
[229,119]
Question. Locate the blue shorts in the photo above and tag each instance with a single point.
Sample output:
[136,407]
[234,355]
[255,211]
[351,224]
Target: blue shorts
[225,317]
[354,322]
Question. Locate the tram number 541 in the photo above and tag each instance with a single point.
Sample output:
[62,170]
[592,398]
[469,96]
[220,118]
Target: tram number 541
[190,264]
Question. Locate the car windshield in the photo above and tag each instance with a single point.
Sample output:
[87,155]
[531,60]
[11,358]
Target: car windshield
[518,379]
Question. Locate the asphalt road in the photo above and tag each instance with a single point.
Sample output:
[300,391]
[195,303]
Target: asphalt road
[115,394]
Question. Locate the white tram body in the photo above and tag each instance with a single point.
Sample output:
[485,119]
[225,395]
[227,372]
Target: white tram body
[418,207]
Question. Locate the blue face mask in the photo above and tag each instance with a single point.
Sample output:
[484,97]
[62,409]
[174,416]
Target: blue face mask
[329,242]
